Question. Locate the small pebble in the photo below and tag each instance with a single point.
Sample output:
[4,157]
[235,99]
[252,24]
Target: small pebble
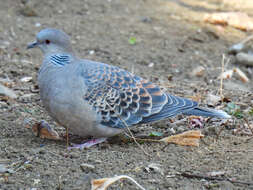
[212,99]
[4,91]
[157,168]
[26,79]
[3,169]
[180,129]
[37,24]
[198,71]
[87,167]
[171,130]
[74,155]
[91,52]
[245,58]
[146,20]
[151,64]
[236,48]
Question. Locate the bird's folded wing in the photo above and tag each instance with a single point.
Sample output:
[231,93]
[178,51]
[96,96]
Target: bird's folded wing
[123,99]
[119,97]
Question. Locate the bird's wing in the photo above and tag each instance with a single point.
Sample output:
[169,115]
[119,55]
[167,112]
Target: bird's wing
[121,98]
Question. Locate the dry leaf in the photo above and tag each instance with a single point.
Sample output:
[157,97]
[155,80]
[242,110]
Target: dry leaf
[237,20]
[198,71]
[227,74]
[188,138]
[104,183]
[241,75]
[198,97]
[44,131]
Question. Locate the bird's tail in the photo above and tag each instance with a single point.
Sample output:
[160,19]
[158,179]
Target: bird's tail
[207,112]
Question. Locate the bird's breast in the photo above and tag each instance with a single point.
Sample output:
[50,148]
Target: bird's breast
[63,97]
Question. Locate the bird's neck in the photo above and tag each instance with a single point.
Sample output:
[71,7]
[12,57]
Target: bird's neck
[60,59]
[56,60]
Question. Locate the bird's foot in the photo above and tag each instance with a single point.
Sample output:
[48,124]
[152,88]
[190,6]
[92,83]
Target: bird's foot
[88,144]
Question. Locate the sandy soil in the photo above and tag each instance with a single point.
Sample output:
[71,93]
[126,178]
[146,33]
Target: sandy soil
[171,40]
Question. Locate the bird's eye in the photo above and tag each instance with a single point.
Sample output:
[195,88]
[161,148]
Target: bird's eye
[47,41]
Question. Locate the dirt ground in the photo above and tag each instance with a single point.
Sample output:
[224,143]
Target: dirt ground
[171,41]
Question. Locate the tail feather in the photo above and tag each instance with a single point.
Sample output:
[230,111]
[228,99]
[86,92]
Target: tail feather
[207,112]
[177,105]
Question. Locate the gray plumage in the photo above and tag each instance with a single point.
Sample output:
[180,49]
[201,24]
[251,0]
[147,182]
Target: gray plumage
[99,100]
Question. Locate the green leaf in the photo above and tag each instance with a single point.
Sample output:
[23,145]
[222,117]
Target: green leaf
[238,114]
[155,134]
[251,112]
[234,110]
[232,106]
[27,110]
[132,40]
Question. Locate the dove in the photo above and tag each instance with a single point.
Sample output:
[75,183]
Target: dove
[98,100]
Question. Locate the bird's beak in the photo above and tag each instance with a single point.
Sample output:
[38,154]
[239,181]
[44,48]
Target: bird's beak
[32,45]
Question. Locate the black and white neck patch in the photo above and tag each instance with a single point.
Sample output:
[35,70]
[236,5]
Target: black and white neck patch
[60,59]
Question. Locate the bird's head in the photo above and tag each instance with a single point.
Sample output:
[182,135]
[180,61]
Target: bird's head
[52,41]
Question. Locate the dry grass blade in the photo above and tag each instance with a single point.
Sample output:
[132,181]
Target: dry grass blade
[131,135]
[237,20]
[241,75]
[188,138]
[221,79]
[246,39]
[104,183]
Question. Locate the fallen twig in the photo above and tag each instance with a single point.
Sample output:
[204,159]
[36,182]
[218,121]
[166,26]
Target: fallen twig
[239,150]
[223,65]
[218,134]
[201,176]
[248,139]
[249,126]
[180,121]
[221,79]
[132,137]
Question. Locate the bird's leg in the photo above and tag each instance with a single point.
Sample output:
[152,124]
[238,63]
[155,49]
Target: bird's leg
[88,144]
[67,137]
